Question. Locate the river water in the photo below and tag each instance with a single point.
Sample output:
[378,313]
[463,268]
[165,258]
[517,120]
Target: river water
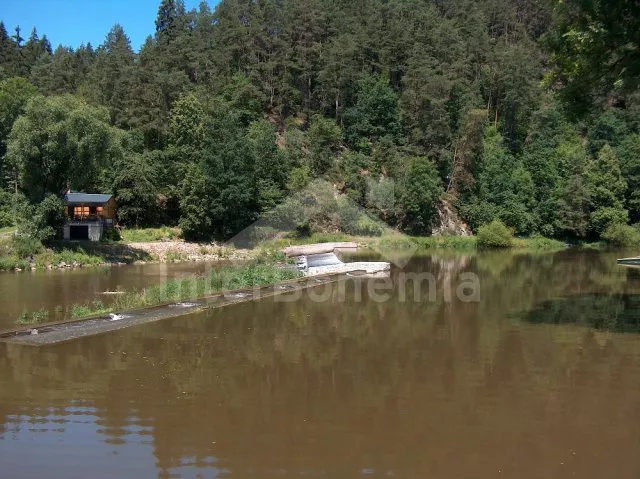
[32,291]
[519,366]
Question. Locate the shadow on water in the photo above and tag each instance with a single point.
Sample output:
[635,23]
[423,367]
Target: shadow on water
[616,313]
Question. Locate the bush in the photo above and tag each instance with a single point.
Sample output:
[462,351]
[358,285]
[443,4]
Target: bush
[10,204]
[356,222]
[368,227]
[25,246]
[622,235]
[495,235]
[112,234]
[43,221]
[602,218]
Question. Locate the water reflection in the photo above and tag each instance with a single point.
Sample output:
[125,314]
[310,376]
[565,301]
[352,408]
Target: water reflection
[48,289]
[341,388]
[619,312]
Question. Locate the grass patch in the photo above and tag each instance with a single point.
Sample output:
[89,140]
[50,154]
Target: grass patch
[313,238]
[218,280]
[149,235]
[175,256]
[401,242]
[539,243]
[69,257]
[22,252]
[425,242]
[91,309]
[39,316]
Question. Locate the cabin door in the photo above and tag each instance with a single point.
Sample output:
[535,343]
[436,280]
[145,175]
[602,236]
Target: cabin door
[79,233]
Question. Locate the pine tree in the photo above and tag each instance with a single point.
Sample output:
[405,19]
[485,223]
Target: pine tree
[167,21]
[111,74]
[10,56]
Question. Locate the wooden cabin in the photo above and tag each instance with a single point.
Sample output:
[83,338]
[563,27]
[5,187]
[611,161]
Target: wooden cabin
[88,216]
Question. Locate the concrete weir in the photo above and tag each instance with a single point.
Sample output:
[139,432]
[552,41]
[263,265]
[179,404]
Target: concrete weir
[319,259]
[318,263]
[53,333]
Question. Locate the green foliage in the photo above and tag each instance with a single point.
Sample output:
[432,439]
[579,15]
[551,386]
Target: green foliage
[591,50]
[270,163]
[354,221]
[111,74]
[607,189]
[375,113]
[629,155]
[10,205]
[36,317]
[229,175]
[608,129]
[602,218]
[422,192]
[134,188]
[505,189]
[25,247]
[621,235]
[145,235]
[111,234]
[573,207]
[539,243]
[224,112]
[495,235]
[187,124]
[325,137]
[60,140]
[14,94]
[195,220]
[43,221]
[554,156]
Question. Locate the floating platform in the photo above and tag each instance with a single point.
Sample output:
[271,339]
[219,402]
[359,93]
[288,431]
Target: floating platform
[629,261]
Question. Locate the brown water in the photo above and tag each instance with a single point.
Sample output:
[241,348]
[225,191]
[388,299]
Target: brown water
[538,379]
[47,289]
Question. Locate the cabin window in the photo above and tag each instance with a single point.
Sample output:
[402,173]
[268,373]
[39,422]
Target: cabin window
[81,211]
[100,210]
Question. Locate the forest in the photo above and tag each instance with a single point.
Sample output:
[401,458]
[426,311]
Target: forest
[522,111]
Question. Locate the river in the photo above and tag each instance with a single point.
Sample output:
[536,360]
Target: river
[500,364]
[47,289]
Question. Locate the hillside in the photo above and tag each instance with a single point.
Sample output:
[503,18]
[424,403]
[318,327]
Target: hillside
[517,111]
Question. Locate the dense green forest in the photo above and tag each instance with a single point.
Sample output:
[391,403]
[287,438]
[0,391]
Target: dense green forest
[526,111]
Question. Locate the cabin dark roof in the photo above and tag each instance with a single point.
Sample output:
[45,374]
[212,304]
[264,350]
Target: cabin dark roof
[86,199]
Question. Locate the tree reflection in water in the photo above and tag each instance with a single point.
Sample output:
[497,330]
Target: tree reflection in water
[331,389]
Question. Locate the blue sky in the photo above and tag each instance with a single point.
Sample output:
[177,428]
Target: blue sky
[72,22]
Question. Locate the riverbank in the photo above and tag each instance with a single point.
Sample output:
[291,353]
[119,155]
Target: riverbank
[161,245]
[417,243]
[20,254]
